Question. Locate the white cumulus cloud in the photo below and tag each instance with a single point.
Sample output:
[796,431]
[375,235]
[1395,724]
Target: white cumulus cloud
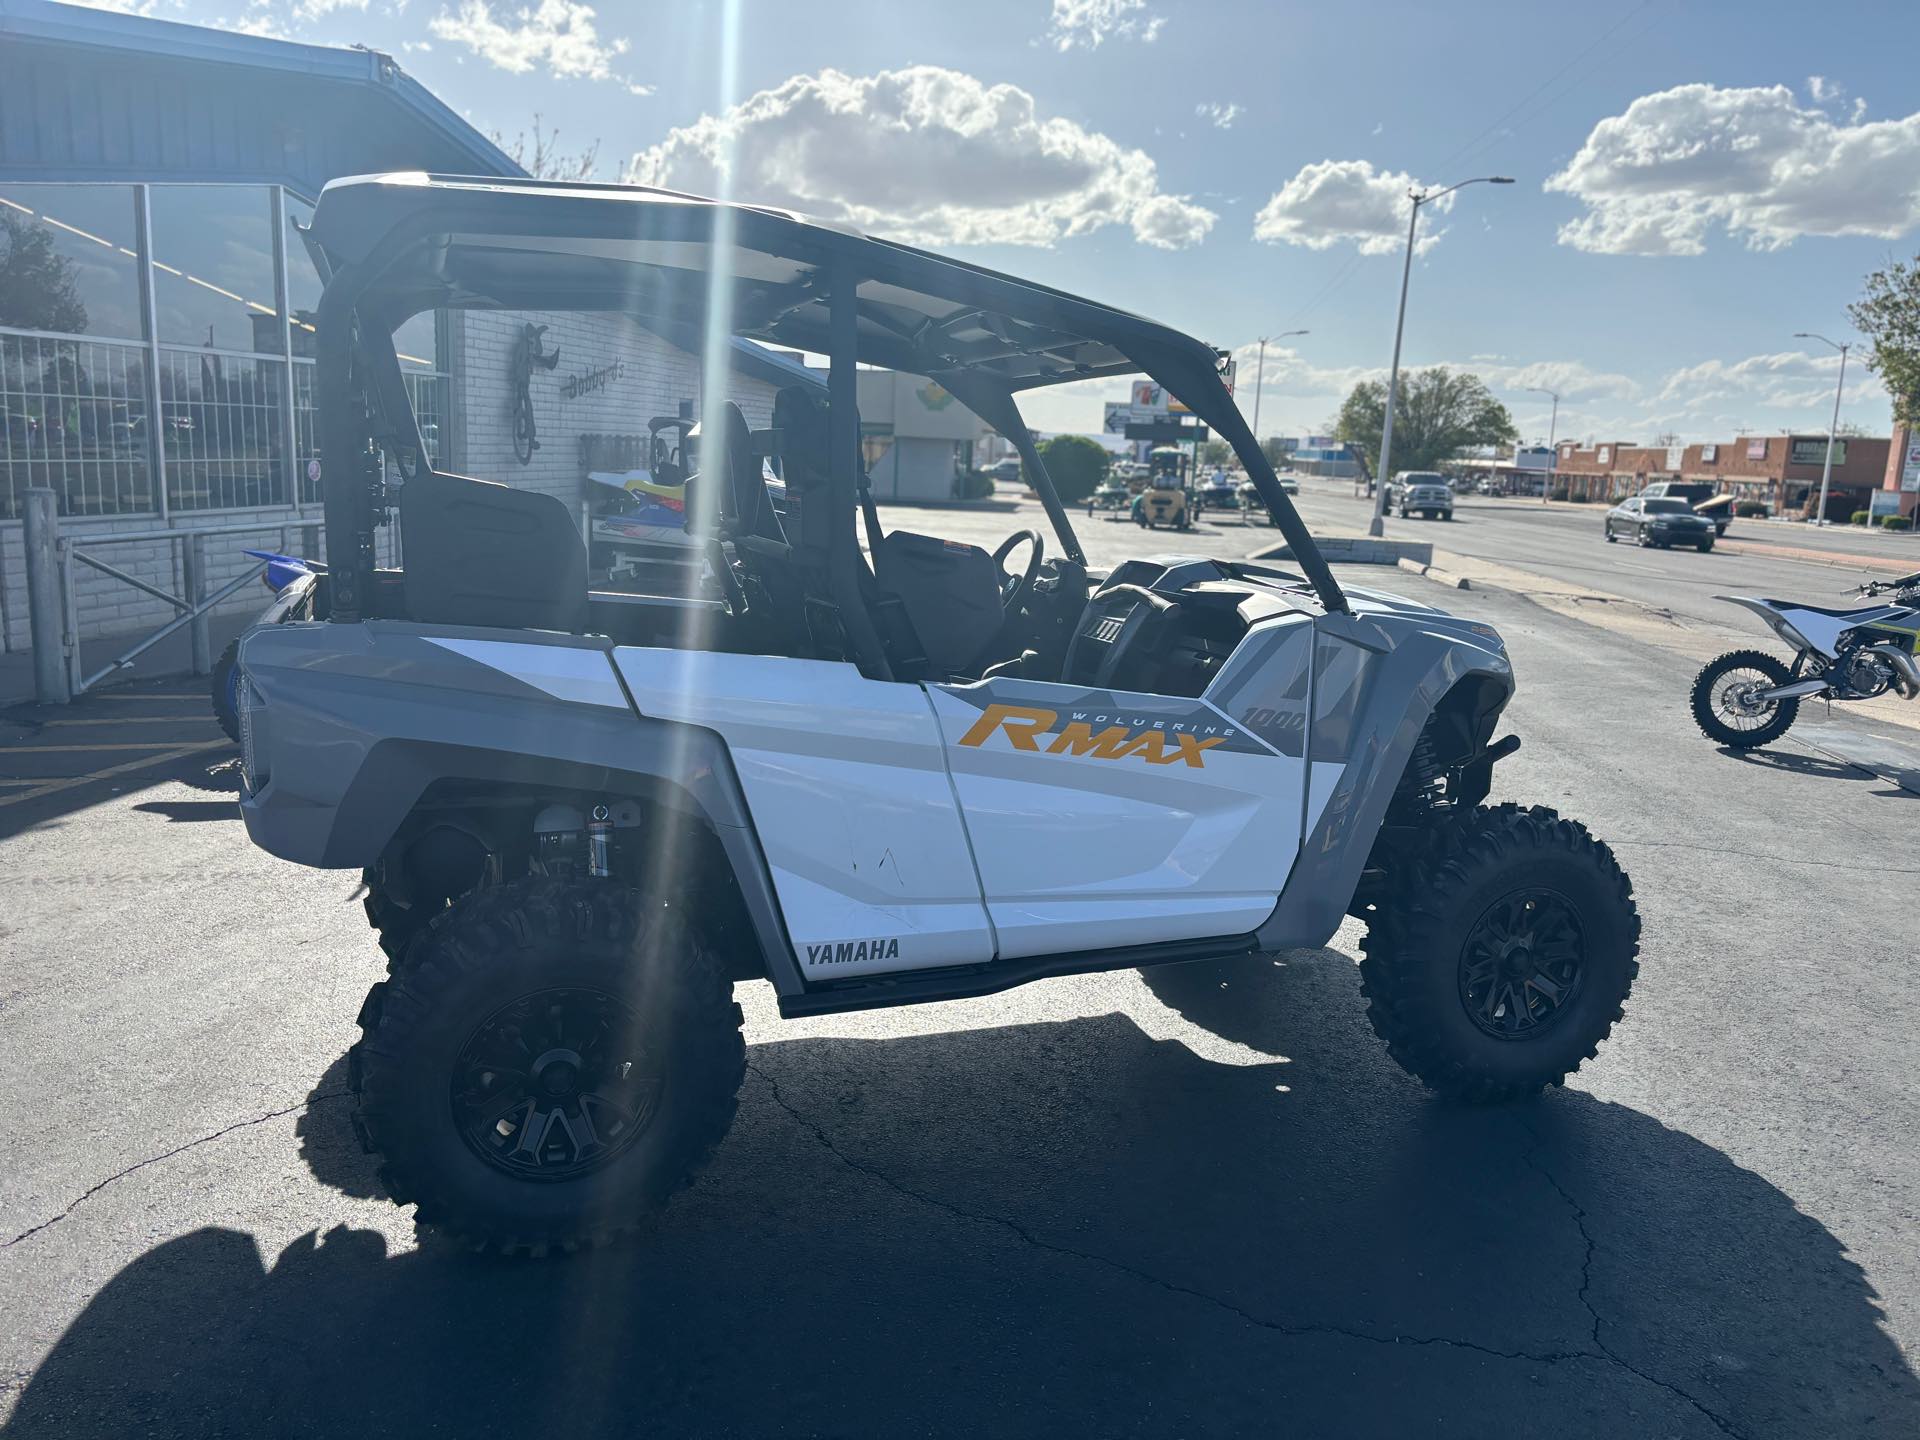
[1659,178]
[558,34]
[926,155]
[1332,202]
[1085,24]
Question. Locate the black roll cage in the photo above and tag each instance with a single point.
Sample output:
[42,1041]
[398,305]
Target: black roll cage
[393,250]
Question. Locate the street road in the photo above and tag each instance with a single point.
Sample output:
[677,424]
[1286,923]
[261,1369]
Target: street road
[1198,1201]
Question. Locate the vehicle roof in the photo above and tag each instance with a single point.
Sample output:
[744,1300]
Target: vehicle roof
[455,241]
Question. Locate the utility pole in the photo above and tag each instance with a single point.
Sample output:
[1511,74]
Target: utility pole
[1826,470]
[1419,198]
[1553,452]
[1260,376]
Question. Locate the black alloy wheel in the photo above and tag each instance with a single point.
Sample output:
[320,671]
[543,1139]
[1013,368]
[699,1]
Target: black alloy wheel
[1520,967]
[554,1084]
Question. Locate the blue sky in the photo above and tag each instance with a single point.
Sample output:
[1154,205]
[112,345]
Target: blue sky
[1696,179]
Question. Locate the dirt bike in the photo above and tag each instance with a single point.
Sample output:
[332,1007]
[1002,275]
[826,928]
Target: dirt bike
[1748,697]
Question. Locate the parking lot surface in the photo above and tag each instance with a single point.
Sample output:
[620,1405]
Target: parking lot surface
[1192,1201]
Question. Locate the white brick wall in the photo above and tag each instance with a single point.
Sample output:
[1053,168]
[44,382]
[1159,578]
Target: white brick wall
[654,378]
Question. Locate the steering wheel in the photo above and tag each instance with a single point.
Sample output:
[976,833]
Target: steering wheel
[1012,587]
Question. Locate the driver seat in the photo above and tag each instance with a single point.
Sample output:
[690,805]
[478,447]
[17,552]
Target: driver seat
[950,593]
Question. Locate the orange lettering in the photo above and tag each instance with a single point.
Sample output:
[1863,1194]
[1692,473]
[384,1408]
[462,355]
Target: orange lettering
[1190,748]
[1022,723]
[1079,739]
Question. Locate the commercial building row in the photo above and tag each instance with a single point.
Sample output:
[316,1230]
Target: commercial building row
[1781,472]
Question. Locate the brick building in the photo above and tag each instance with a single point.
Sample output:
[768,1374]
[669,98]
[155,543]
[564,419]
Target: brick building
[1780,471]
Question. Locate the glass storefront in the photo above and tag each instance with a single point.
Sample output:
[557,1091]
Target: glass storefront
[172,380]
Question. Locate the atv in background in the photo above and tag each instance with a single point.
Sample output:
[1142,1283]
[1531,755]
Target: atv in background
[868,775]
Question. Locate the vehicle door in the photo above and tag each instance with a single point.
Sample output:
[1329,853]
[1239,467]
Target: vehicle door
[1103,819]
[846,782]
[1631,514]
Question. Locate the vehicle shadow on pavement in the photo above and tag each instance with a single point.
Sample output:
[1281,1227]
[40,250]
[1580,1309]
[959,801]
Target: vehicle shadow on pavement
[1044,1229]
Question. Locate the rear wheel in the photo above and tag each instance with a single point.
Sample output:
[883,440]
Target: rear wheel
[549,1063]
[1723,703]
[1503,957]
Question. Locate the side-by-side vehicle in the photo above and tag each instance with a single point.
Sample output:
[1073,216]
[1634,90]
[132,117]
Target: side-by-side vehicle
[876,767]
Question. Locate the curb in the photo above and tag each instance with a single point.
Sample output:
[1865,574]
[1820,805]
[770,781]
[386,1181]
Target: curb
[1832,559]
[1437,575]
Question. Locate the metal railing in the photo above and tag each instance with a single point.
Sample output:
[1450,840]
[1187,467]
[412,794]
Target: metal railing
[54,622]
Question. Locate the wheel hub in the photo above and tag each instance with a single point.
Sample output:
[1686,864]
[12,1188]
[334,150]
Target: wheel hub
[554,1084]
[1522,963]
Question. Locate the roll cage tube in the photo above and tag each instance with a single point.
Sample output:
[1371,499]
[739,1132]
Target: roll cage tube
[995,405]
[1205,395]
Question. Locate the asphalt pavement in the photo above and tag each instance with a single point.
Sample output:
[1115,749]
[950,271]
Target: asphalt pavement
[1194,1201]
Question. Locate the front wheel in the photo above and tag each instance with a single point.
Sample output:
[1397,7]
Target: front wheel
[1723,703]
[1612,539]
[549,1063]
[1503,956]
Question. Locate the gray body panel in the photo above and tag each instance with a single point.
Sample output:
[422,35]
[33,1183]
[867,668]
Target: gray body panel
[358,720]
[361,719]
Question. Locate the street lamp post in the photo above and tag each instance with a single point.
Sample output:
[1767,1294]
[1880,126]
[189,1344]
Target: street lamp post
[1260,376]
[1826,470]
[1553,452]
[1419,198]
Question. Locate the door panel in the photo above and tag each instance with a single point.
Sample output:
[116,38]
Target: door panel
[847,783]
[1102,819]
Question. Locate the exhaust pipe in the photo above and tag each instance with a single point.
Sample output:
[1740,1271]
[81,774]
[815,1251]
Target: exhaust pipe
[1906,674]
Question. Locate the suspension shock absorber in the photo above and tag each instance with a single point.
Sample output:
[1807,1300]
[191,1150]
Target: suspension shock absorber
[600,842]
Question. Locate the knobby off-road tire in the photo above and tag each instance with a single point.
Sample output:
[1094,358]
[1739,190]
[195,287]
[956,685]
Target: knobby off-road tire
[226,673]
[1505,877]
[394,925]
[582,1001]
[1717,729]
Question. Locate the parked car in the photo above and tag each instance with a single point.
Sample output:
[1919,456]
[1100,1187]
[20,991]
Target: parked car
[1422,492]
[1006,471]
[1220,492]
[1661,521]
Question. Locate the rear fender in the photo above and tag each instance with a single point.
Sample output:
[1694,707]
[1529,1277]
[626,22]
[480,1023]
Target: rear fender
[356,723]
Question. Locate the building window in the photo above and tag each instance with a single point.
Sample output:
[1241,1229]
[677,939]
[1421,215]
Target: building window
[220,426]
[69,261]
[213,248]
[73,417]
[303,280]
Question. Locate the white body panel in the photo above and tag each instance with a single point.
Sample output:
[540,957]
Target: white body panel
[1156,839]
[847,781]
[581,674]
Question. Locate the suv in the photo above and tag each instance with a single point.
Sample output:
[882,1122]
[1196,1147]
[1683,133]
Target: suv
[1424,492]
[867,777]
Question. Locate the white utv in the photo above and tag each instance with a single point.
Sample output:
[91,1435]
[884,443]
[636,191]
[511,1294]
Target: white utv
[868,775]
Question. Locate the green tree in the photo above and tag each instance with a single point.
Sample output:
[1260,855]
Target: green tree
[1076,465]
[1215,453]
[1440,411]
[39,287]
[1276,453]
[1888,314]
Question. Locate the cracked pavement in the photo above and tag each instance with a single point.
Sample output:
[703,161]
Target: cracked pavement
[1198,1201]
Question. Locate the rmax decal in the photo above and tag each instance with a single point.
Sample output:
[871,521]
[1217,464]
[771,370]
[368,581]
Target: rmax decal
[845,952]
[1121,737]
